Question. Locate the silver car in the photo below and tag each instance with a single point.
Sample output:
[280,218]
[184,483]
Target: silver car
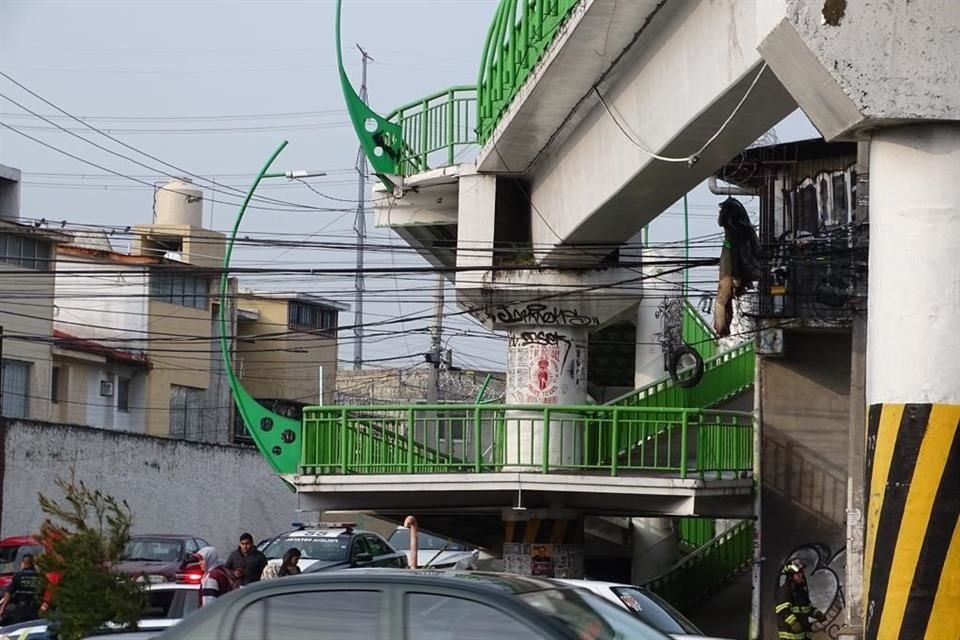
[436,552]
[645,605]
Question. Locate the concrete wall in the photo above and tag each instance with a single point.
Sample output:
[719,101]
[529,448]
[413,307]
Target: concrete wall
[806,412]
[213,491]
[401,386]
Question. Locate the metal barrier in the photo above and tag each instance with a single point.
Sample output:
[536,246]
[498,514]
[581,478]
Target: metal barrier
[696,532]
[435,129]
[705,570]
[545,439]
[725,375]
[520,34]
[697,333]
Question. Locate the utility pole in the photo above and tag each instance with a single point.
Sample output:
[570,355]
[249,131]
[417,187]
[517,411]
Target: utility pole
[436,342]
[360,228]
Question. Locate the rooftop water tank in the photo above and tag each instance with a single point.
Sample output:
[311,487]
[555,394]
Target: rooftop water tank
[179,202]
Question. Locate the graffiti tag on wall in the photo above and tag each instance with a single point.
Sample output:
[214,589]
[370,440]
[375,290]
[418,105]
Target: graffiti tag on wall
[541,314]
[544,367]
[826,574]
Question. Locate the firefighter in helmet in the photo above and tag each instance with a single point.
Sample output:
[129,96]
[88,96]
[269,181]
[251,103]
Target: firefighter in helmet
[793,606]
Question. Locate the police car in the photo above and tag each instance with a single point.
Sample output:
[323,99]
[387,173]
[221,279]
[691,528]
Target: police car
[331,546]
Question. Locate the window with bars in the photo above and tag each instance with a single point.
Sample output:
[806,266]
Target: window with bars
[24,251]
[303,316]
[16,388]
[186,412]
[183,290]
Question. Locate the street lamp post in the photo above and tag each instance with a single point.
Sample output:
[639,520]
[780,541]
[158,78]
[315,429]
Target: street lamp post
[278,437]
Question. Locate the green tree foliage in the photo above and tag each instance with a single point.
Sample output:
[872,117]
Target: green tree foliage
[84,535]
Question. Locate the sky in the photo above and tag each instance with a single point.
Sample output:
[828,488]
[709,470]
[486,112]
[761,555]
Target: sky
[173,78]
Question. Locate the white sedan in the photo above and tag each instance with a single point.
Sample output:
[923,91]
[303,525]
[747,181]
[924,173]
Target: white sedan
[646,605]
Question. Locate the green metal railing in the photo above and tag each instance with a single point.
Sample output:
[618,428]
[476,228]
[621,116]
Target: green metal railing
[696,532]
[725,375]
[520,34]
[697,333]
[490,438]
[436,128]
[713,565]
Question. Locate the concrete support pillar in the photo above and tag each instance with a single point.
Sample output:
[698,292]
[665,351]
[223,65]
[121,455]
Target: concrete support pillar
[537,544]
[649,360]
[545,366]
[654,548]
[853,612]
[912,546]
[660,283]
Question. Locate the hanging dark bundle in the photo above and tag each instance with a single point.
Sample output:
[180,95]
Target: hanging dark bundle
[740,262]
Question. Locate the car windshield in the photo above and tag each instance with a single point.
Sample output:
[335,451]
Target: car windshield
[655,611]
[152,550]
[589,616]
[313,545]
[400,539]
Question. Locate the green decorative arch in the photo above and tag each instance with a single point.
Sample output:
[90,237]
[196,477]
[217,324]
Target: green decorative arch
[278,437]
[381,140]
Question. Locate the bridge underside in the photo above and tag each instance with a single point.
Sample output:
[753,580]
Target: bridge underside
[495,492]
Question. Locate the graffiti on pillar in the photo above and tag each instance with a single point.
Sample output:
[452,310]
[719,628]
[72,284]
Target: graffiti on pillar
[544,367]
[535,313]
[826,574]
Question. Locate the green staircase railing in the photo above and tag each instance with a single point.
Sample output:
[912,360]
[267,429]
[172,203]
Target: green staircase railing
[696,532]
[707,569]
[697,333]
[545,439]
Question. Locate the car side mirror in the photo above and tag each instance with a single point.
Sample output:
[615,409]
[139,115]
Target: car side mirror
[361,559]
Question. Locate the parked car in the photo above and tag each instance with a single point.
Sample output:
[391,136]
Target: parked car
[436,552]
[12,551]
[160,557]
[169,602]
[330,546]
[436,605]
[646,606]
[32,630]
[40,630]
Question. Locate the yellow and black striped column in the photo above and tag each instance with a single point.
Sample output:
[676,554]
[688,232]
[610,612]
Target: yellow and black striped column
[547,547]
[912,547]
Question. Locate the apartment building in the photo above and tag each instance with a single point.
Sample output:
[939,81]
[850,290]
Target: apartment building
[286,350]
[137,331]
[27,259]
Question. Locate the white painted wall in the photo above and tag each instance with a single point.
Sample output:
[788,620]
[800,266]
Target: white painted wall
[101,303]
[102,411]
[914,305]
[213,491]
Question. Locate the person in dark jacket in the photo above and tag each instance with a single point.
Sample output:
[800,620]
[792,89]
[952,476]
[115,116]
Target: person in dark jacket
[246,563]
[793,607]
[289,565]
[21,602]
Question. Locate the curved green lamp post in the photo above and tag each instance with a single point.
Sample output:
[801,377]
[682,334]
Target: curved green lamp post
[278,437]
[382,140]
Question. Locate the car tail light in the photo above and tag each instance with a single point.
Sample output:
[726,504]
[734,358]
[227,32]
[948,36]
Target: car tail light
[190,577]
